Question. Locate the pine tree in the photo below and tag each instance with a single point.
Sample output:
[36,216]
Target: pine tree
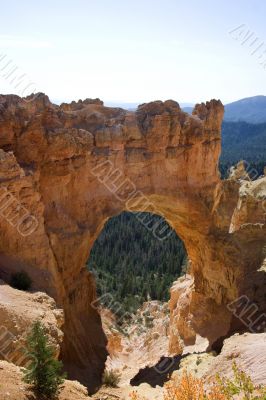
[44,371]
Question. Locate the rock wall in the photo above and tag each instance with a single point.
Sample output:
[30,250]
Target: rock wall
[64,170]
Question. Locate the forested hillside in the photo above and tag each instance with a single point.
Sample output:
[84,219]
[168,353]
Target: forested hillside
[133,265]
[243,141]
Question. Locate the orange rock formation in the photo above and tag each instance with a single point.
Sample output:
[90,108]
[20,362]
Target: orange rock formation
[69,168]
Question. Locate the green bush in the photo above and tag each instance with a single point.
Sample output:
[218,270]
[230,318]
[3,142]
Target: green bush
[148,321]
[21,280]
[111,378]
[43,371]
[241,385]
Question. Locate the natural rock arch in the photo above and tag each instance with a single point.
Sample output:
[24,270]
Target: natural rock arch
[66,167]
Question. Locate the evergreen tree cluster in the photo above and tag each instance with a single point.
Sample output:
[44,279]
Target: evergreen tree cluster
[243,141]
[134,266]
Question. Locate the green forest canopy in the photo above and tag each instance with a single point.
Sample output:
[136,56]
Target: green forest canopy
[133,265]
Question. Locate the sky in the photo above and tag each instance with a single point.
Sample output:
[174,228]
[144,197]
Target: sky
[134,51]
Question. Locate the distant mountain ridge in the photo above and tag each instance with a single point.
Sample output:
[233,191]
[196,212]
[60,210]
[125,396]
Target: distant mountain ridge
[188,109]
[250,109]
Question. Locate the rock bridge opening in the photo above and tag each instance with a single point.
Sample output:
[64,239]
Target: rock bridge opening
[135,259]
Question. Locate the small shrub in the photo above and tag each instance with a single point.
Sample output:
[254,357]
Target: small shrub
[146,313]
[43,371]
[149,321]
[186,388]
[241,385]
[21,280]
[134,396]
[198,361]
[111,378]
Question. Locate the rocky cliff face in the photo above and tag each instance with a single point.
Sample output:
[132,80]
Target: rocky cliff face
[64,170]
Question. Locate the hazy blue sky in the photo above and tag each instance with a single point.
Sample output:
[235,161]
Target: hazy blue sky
[135,51]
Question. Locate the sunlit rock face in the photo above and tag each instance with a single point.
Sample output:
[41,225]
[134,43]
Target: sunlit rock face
[72,167]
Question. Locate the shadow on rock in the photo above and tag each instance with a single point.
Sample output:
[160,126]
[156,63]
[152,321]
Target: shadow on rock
[159,373]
